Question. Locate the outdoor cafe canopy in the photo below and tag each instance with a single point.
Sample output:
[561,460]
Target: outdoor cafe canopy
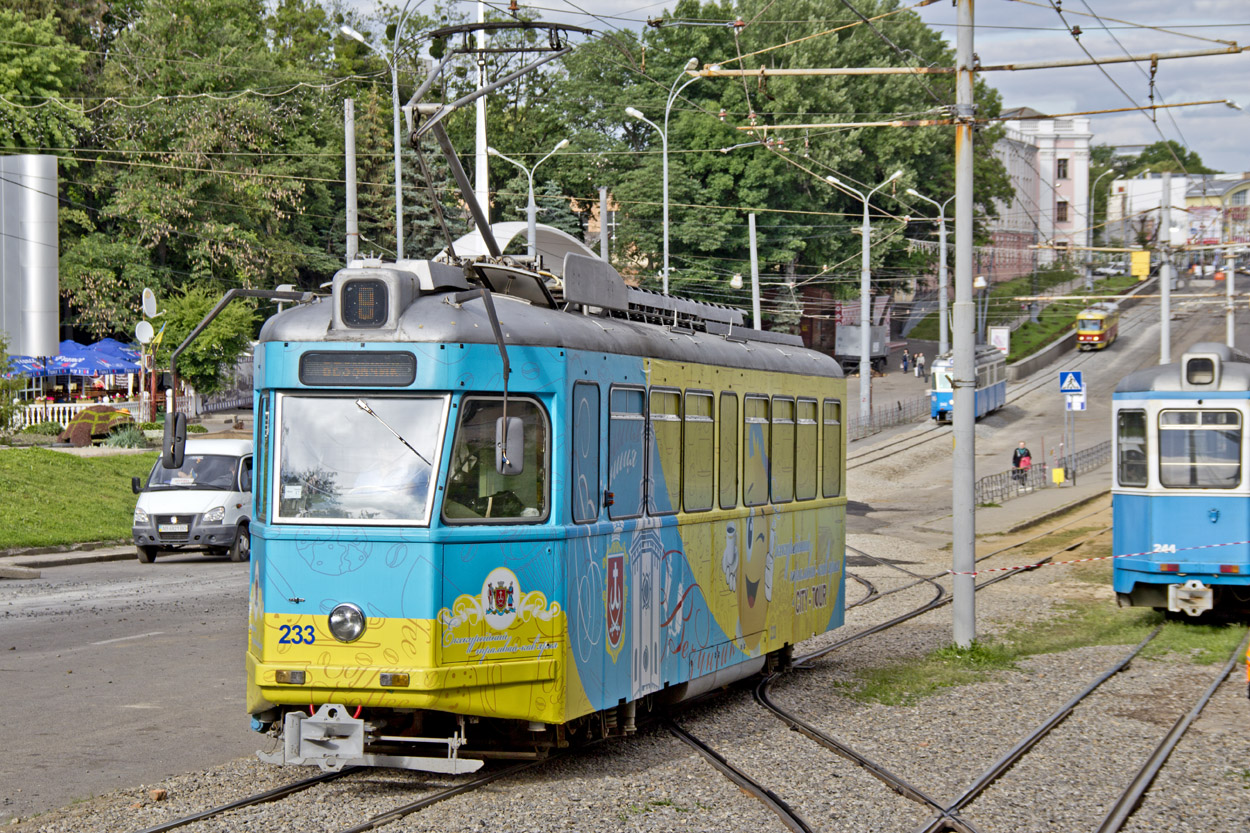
[107,356]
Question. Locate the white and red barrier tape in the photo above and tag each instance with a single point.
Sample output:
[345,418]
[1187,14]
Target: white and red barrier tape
[1096,558]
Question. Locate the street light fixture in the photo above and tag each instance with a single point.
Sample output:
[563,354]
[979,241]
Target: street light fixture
[944,341]
[865,311]
[531,208]
[392,61]
[668,106]
[1089,232]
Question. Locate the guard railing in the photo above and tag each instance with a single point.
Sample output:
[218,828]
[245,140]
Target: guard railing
[883,416]
[997,488]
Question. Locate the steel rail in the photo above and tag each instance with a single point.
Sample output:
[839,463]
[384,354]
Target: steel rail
[878,771]
[1131,798]
[1005,763]
[765,796]
[872,590]
[259,798]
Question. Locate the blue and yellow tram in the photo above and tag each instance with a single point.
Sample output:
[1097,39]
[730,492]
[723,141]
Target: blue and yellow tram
[1181,494]
[991,391]
[453,561]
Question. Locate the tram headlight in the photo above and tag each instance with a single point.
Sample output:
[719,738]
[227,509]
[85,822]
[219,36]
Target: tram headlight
[347,623]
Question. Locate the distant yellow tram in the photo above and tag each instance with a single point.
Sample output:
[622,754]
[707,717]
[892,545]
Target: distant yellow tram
[1097,326]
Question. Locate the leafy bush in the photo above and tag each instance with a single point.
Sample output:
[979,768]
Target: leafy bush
[196,428]
[49,428]
[127,436]
[151,426]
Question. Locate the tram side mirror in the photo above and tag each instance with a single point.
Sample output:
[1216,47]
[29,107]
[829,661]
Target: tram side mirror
[175,441]
[135,485]
[509,435]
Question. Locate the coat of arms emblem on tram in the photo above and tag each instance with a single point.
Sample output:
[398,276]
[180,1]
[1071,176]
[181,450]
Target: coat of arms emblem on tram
[614,597]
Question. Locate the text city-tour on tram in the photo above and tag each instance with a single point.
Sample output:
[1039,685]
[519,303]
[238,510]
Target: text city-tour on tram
[505,504]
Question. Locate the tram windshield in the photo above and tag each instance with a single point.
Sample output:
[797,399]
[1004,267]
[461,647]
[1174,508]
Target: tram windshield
[1089,325]
[343,459]
[941,381]
[1200,449]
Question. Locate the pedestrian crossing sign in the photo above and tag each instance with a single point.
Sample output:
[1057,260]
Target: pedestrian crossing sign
[1070,381]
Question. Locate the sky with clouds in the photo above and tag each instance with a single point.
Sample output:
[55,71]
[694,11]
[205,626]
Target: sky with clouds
[1031,30]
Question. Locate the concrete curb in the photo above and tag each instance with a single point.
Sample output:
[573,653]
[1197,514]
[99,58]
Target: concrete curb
[18,572]
[65,559]
[1054,513]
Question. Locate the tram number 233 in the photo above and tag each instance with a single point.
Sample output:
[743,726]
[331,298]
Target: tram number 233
[297,635]
[809,598]
[1164,548]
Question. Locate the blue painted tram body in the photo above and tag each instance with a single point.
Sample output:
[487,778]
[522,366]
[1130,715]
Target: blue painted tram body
[1181,495]
[991,390]
[669,517]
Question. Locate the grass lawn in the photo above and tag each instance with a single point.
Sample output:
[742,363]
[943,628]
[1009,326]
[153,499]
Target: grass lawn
[52,498]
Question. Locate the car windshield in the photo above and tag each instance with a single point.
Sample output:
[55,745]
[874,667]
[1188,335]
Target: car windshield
[198,471]
[365,460]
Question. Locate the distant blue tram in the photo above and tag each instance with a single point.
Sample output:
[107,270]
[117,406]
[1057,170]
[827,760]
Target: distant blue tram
[1181,497]
[991,391]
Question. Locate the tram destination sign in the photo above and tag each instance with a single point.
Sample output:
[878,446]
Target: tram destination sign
[372,369]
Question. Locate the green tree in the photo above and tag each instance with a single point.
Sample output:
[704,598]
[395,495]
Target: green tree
[205,361]
[1168,156]
[10,389]
[38,68]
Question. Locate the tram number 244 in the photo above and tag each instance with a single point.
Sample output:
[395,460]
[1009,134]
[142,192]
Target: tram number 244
[1164,548]
[297,635]
[808,598]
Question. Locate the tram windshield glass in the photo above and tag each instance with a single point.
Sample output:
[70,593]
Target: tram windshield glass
[1089,325]
[1200,449]
[342,459]
[941,381]
[476,491]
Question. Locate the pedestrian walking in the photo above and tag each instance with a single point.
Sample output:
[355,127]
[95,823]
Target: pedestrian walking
[906,360]
[920,365]
[1021,461]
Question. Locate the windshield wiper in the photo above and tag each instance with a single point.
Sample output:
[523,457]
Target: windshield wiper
[364,406]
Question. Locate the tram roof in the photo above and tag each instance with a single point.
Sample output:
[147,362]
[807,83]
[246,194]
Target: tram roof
[1232,372]
[431,318]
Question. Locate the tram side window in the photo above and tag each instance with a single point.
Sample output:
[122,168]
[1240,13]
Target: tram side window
[755,459]
[1200,449]
[476,491]
[697,453]
[262,452]
[625,467]
[586,490]
[805,455]
[1131,445]
[831,449]
[783,451]
[664,467]
[728,451]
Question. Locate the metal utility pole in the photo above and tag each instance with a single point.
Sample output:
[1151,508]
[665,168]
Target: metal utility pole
[755,275]
[349,144]
[1164,239]
[944,339]
[1229,271]
[963,483]
[603,224]
[481,184]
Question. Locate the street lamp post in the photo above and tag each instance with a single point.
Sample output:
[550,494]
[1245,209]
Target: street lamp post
[1089,230]
[668,106]
[531,208]
[944,342]
[392,62]
[865,311]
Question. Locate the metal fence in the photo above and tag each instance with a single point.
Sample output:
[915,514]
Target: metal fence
[902,412]
[997,488]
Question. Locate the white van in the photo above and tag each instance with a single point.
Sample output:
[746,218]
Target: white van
[205,504]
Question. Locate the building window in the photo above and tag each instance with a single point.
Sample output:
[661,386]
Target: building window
[1061,211]
[1061,168]
[1239,198]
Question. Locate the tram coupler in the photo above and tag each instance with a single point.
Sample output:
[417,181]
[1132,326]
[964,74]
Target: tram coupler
[1193,597]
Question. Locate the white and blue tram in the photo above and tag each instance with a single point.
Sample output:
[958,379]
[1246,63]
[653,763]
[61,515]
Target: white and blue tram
[1180,496]
[991,392]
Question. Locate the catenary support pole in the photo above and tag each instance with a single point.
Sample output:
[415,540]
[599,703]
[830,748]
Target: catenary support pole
[944,332]
[481,179]
[349,147]
[755,276]
[1229,272]
[964,380]
[1164,240]
[603,225]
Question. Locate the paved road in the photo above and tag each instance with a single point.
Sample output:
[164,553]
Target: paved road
[118,674]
